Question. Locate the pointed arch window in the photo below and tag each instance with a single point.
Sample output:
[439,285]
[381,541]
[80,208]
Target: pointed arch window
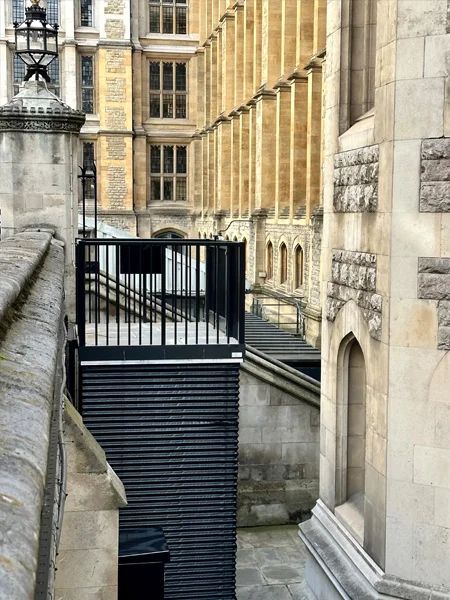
[283,263]
[298,259]
[269,261]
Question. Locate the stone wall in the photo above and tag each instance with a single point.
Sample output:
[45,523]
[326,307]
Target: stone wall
[354,277]
[87,564]
[435,176]
[356,180]
[278,453]
[434,284]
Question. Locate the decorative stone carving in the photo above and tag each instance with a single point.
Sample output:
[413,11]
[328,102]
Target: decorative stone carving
[434,284]
[37,109]
[435,176]
[356,180]
[354,277]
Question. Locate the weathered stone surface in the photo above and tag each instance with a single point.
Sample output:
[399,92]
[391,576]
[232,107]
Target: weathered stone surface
[28,361]
[354,277]
[356,180]
[434,284]
[435,176]
[434,265]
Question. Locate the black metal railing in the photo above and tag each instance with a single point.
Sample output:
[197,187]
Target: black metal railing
[160,293]
[273,308]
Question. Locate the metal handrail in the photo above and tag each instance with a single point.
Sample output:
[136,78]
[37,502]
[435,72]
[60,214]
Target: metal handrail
[259,309]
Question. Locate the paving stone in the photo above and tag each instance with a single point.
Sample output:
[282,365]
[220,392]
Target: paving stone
[247,576]
[282,574]
[269,592]
[247,557]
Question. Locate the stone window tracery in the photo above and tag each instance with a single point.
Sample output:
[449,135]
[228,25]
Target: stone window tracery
[168,90]
[168,16]
[168,168]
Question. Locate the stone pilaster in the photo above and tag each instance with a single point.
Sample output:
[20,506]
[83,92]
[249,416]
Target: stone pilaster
[305,29]
[265,149]
[214,65]
[235,156]
[224,140]
[218,89]
[244,161]
[228,53]
[204,172]
[289,35]
[283,150]
[252,155]
[257,43]
[314,145]
[239,55]
[271,58]
[298,145]
[249,42]
[207,83]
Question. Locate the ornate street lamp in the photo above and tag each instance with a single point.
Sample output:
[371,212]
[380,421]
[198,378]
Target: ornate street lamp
[36,41]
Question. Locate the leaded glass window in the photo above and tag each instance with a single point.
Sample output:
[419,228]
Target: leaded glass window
[87,84]
[168,87]
[168,173]
[20,69]
[168,16]
[86,13]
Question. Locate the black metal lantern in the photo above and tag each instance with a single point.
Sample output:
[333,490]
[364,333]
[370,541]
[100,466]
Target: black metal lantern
[36,41]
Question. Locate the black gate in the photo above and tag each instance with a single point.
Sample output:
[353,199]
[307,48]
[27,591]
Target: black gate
[170,431]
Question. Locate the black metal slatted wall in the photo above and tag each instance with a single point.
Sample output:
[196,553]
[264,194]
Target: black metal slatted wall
[171,434]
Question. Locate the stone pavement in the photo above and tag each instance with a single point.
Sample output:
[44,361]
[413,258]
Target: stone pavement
[270,564]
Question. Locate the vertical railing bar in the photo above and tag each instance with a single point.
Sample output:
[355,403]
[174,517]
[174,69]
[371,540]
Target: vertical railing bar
[216,274]
[129,295]
[163,296]
[208,255]
[97,292]
[81,292]
[107,293]
[94,170]
[186,309]
[197,293]
[140,296]
[228,263]
[118,292]
[241,299]
[174,292]
[151,294]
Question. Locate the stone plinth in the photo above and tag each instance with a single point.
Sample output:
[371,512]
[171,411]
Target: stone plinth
[39,167]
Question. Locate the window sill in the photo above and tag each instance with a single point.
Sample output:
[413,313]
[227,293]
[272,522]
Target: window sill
[351,515]
[360,134]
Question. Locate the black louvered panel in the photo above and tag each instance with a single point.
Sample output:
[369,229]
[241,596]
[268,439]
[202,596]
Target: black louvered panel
[171,434]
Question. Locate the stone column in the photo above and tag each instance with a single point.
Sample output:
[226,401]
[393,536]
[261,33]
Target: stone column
[39,168]
[235,156]
[266,103]
[3,58]
[214,66]
[283,150]
[228,52]
[257,43]
[271,58]
[200,108]
[305,29]
[239,57]
[207,85]
[244,161]
[223,163]
[218,89]
[196,170]
[204,172]
[252,155]
[289,36]
[298,136]
[314,147]
[249,42]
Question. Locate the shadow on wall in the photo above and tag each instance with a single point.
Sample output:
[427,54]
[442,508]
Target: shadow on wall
[278,454]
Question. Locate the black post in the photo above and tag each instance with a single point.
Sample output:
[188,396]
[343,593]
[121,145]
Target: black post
[241,299]
[80,293]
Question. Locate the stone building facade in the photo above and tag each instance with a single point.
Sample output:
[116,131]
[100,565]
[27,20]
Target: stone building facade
[381,528]
[93,73]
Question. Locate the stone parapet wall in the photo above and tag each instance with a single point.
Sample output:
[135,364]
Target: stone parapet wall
[31,309]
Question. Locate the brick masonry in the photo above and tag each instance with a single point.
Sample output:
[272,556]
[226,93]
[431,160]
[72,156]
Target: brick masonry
[356,180]
[354,277]
[435,176]
[434,284]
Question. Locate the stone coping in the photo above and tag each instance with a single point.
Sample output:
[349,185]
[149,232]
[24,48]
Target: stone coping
[31,309]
